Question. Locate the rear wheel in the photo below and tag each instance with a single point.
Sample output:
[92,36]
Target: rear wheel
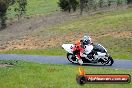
[109,62]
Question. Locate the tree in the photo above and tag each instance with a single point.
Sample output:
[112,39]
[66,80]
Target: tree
[129,1]
[3,10]
[4,6]
[68,5]
[21,8]
[101,2]
[83,4]
[88,5]
[74,4]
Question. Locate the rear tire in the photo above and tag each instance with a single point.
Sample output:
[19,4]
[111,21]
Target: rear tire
[111,60]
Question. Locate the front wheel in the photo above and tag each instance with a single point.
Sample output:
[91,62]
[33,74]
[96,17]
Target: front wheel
[71,58]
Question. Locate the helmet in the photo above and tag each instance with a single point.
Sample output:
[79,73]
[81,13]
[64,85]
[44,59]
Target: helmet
[86,40]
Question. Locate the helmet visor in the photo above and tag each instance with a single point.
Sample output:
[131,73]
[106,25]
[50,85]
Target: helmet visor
[86,42]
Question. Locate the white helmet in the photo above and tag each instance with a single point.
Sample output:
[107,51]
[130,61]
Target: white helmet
[86,40]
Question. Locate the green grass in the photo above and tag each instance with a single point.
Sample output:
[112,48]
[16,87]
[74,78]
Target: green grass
[34,75]
[97,25]
[46,52]
[41,6]
[35,7]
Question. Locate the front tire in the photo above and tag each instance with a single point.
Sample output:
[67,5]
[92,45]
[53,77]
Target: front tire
[71,58]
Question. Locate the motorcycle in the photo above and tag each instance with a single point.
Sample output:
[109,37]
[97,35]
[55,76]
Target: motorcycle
[93,54]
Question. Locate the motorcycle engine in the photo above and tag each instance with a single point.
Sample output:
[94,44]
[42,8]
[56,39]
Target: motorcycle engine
[102,56]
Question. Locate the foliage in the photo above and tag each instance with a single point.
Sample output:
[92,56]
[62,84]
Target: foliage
[21,8]
[68,5]
[129,1]
[3,9]
[98,4]
[4,6]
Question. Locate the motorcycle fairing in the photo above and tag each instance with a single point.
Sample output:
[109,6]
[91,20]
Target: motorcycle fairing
[68,47]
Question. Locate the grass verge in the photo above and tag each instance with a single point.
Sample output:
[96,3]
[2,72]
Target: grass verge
[46,52]
[35,75]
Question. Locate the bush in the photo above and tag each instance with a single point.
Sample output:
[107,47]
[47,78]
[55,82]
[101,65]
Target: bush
[129,1]
[68,5]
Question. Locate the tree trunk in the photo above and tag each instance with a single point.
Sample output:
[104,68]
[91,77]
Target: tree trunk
[82,5]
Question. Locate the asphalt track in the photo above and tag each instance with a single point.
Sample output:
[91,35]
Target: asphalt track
[118,64]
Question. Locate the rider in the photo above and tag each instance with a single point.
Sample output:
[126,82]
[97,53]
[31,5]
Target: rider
[80,46]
